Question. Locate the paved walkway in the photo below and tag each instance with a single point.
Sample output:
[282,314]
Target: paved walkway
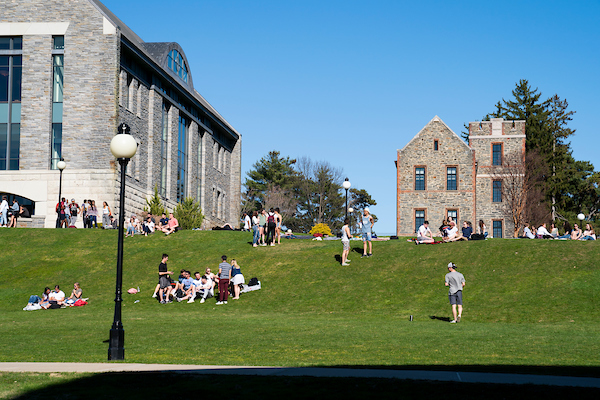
[448,376]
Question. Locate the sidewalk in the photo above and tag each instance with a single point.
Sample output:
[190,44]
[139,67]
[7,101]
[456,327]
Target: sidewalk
[448,376]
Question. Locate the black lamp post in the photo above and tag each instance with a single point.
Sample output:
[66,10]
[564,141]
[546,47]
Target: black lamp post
[60,165]
[123,146]
[346,186]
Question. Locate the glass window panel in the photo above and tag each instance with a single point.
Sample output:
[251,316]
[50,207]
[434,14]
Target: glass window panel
[453,214]
[497,154]
[497,191]
[451,178]
[4,75]
[56,144]
[3,133]
[15,138]
[16,81]
[4,112]
[57,112]
[497,229]
[57,88]
[18,43]
[419,178]
[16,113]
[59,42]
[4,43]
[419,219]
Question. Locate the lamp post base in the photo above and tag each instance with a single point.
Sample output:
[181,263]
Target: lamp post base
[116,350]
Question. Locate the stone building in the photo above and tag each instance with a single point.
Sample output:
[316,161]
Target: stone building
[441,176]
[70,73]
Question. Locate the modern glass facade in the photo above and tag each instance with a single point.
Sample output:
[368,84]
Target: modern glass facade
[163,150]
[11,67]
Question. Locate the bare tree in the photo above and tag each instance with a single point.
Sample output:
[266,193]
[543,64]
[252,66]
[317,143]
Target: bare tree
[523,182]
[276,197]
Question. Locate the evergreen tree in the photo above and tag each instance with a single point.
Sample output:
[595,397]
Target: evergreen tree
[270,171]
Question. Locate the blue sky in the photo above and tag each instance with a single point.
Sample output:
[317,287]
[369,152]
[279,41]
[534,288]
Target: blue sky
[350,82]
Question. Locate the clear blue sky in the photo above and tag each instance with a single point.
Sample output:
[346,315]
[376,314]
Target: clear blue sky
[351,82]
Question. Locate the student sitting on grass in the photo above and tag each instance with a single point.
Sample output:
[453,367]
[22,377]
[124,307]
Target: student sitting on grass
[56,297]
[453,234]
[588,234]
[187,287]
[542,232]
[576,232]
[424,234]
[204,286]
[527,233]
[75,294]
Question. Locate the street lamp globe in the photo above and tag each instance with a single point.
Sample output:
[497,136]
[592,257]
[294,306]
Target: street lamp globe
[346,184]
[61,165]
[350,210]
[581,216]
[123,146]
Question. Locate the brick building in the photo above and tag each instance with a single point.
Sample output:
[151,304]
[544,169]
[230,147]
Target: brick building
[439,175]
[70,73]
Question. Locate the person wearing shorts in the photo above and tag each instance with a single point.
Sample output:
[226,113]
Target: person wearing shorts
[346,242]
[367,226]
[456,282]
[164,281]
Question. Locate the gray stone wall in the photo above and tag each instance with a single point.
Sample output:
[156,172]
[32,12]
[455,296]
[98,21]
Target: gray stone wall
[435,200]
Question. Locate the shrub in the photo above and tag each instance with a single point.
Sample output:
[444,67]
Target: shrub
[188,214]
[155,205]
[321,228]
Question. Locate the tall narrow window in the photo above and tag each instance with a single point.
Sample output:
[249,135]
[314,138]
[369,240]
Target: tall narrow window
[163,149]
[177,64]
[497,154]
[497,229]
[451,178]
[497,191]
[419,219]
[435,145]
[454,215]
[58,45]
[199,171]
[11,49]
[420,178]
[182,160]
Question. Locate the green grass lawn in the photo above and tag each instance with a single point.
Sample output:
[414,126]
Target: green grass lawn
[530,306]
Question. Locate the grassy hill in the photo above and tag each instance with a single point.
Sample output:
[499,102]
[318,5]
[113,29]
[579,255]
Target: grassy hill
[528,304]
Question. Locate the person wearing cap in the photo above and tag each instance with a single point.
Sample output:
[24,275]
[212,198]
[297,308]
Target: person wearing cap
[367,226]
[73,211]
[456,282]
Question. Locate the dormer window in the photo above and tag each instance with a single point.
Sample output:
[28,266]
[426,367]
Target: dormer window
[176,64]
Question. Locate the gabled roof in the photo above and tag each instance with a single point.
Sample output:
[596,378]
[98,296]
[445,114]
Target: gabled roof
[158,53]
[435,119]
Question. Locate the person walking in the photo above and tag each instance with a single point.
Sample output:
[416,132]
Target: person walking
[367,226]
[456,282]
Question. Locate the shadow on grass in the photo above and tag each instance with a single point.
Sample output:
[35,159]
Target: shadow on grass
[446,319]
[151,385]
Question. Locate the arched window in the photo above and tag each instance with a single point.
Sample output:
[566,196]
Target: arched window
[177,65]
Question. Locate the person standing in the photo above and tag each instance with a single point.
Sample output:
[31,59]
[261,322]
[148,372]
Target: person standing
[367,226]
[163,280]
[255,229]
[247,222]
[4,212]
[278,221]
[224,277]
[106,214]
[271,228]
[456,282]
[346,242]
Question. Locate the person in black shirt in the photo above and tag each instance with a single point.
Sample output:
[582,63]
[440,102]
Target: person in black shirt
[164,281]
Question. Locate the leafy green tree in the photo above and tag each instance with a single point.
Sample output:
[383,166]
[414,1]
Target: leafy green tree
[189,214]
[155,204]
[270,171]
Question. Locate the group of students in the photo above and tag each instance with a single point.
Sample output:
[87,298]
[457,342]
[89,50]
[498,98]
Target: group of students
[149,225]
[575,233]
[69,212]
[201,286]
[10,214]
[266,227]
[450,233]
[55,298]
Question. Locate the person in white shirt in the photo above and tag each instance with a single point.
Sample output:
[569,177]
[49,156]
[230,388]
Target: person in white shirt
[204,286]
[543,232]
[527,234]
[247,222]
[4,212]
[452,233]
[57,296]
[424,234]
